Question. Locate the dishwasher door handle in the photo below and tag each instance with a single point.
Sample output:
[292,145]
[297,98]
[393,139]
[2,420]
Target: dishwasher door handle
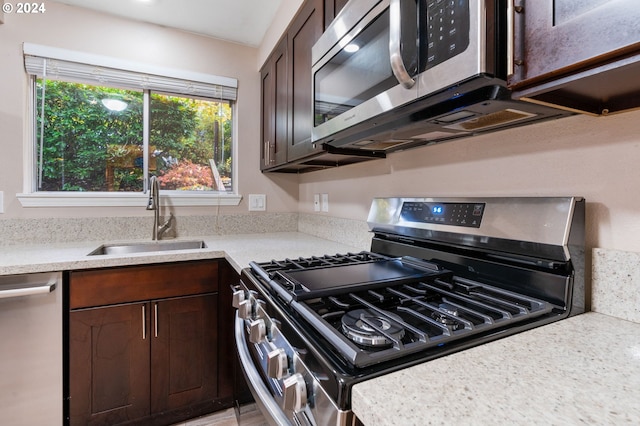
[27,290]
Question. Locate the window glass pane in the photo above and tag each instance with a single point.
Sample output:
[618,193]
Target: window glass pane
[190,143]
[92,138]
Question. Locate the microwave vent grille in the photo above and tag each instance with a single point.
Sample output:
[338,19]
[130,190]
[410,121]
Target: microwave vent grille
[498,118]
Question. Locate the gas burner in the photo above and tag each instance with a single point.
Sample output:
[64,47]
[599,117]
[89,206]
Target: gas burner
[445,314]
[370,328]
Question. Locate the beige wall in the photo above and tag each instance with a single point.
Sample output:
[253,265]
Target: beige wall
[77,29]
[594,157]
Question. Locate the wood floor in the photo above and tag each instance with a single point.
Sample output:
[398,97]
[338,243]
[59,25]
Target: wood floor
[247,415]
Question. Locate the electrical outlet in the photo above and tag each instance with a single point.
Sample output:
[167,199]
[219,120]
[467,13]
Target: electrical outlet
[325,202]
[257,202]
[316,202]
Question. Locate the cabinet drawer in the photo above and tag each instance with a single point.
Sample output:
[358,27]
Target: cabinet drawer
[99,287]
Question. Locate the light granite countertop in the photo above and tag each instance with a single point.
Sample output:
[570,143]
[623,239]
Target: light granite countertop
[582,370]
[239,250]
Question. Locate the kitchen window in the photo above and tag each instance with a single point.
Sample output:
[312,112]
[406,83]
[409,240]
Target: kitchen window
[101,127]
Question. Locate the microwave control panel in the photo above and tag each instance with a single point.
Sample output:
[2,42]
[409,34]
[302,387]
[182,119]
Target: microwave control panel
[447,30]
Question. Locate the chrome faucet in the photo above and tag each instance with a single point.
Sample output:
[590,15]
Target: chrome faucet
[154,204]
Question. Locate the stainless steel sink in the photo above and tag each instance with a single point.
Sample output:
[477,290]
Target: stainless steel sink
[147,247]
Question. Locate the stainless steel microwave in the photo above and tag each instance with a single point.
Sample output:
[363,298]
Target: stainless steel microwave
[388,74]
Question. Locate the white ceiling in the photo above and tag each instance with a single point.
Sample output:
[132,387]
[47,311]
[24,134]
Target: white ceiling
[240,21]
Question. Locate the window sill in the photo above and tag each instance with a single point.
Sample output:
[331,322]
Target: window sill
[108,199]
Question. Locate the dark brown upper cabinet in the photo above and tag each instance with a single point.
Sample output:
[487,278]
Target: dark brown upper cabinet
[304,31]
[274,108]
[287,115]
[582,55]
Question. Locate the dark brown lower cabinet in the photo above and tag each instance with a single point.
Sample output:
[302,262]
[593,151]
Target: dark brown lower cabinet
[151,362]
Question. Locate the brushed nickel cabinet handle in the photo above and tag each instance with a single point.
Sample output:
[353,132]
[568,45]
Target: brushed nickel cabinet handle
[144,323]
[155,319]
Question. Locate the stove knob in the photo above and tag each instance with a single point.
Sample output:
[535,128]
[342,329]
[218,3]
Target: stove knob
[245,309]
[295,393]
[238,297]
[257,331]
[277,364]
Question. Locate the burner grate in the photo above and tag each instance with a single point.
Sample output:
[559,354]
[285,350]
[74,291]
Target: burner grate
[430,313]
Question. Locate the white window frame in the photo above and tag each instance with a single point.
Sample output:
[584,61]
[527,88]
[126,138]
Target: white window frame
[32,198]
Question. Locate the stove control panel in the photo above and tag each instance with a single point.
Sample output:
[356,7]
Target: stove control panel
[455,214]
[285,371]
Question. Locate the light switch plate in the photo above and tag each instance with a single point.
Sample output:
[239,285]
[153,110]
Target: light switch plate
[316,202]
[257,202]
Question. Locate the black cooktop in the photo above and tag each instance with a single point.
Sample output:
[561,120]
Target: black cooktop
[306,284]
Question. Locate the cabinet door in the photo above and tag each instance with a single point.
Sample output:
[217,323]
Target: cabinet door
[109,364]
[274,108]
[556,37]
[304,31]
[184,352]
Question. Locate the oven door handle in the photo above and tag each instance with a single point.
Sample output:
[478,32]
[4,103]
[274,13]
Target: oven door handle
[395,53]
[265,401]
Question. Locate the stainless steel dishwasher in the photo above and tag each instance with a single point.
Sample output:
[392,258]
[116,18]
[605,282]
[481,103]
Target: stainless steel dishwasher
[31,349]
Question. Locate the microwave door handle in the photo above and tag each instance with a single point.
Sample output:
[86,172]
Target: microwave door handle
[395,54]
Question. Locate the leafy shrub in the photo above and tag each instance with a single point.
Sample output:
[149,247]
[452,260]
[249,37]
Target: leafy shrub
[187,176]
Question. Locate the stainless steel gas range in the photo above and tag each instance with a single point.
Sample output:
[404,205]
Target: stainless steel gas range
[442,275]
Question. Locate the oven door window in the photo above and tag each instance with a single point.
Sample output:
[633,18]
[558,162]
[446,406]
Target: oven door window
[360,70]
